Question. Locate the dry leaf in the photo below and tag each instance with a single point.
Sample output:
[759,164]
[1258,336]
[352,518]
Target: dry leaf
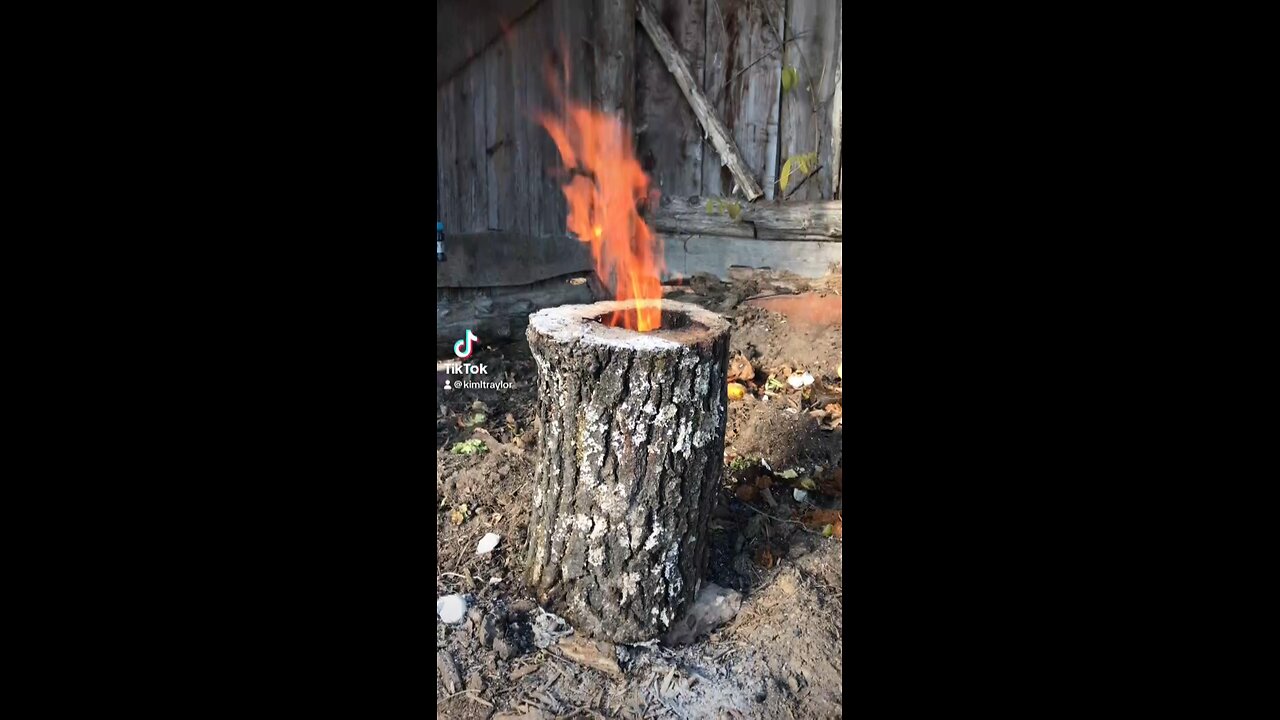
[763,482]
[740,368]
[833,409]
[746,493]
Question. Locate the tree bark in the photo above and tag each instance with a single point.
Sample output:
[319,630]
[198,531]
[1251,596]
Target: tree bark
[630,456]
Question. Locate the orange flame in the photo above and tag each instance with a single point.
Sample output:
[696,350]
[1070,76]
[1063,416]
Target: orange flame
[605,185]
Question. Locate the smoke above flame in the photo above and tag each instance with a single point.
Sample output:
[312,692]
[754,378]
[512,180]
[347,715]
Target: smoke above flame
[604,188]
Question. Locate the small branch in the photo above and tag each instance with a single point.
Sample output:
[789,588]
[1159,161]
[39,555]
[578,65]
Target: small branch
[762,57]
[802,181]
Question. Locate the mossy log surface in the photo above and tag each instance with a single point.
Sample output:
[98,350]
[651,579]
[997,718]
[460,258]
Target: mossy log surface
[629,458]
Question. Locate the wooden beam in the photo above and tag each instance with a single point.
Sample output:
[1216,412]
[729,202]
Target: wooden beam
[496,259]
[688,255]
[500,314]
[715,130]
[822,220]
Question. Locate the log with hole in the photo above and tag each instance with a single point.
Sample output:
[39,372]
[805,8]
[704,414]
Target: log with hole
[629,460]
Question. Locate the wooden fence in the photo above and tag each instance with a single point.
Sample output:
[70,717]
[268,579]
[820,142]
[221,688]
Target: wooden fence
[769,70]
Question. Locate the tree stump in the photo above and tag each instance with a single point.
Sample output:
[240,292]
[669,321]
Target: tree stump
[630,455]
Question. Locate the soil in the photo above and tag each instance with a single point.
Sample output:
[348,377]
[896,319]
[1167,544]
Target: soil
[779,657]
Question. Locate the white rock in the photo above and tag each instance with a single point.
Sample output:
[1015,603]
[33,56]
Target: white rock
[487,543]
[451,608]
[800,495]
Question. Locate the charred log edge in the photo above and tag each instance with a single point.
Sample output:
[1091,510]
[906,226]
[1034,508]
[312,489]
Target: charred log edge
[577,323]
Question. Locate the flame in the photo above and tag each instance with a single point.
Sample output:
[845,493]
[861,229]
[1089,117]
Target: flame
[605,185]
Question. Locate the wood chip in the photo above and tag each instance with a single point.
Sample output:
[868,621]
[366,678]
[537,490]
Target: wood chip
[449,675]
[522,671]
[594,654]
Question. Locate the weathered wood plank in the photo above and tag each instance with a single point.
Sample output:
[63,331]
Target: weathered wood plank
[821,220]
[837,124]
[500,314]
[497,127]
[806,109]
[615,53]
[669,136]
[465,29]
[743,72]
[503,258]
[447,158]
[535,34]
[468,110]
[518,201]
[689,255]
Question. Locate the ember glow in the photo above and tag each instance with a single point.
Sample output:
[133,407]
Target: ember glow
[605,185]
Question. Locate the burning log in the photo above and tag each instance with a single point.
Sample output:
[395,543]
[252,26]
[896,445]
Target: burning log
[630,457]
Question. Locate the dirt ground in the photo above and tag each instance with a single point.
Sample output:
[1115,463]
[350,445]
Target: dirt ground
[776,538]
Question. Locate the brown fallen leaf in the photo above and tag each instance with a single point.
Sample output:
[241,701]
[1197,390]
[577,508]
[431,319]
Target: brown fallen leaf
[740,368]
[834,410]
[746,493]
[819,519]
[763,482]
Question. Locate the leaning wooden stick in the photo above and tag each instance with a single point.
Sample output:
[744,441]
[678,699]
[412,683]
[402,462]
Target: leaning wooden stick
[711,125]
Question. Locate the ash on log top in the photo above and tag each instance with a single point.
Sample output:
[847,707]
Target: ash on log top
[629,459]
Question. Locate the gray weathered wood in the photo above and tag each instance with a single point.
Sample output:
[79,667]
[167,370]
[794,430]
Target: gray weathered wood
[784,220]
[668,134]
[497,128]
[806,109]
[500,314]
[743,70]
[469,109]
[447,157]
[721,139]
[615,53]
[467,28]
[688,255]
[630,457]
[837,124]
[503,258]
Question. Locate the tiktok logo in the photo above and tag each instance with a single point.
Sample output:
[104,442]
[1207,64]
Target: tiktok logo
[458,349]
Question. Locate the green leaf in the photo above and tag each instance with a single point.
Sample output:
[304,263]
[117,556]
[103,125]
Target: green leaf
[828,530]
[470,447]
[789,79]
[788,474]
[808,484]
[709,210]
[734,210]
[786,174]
